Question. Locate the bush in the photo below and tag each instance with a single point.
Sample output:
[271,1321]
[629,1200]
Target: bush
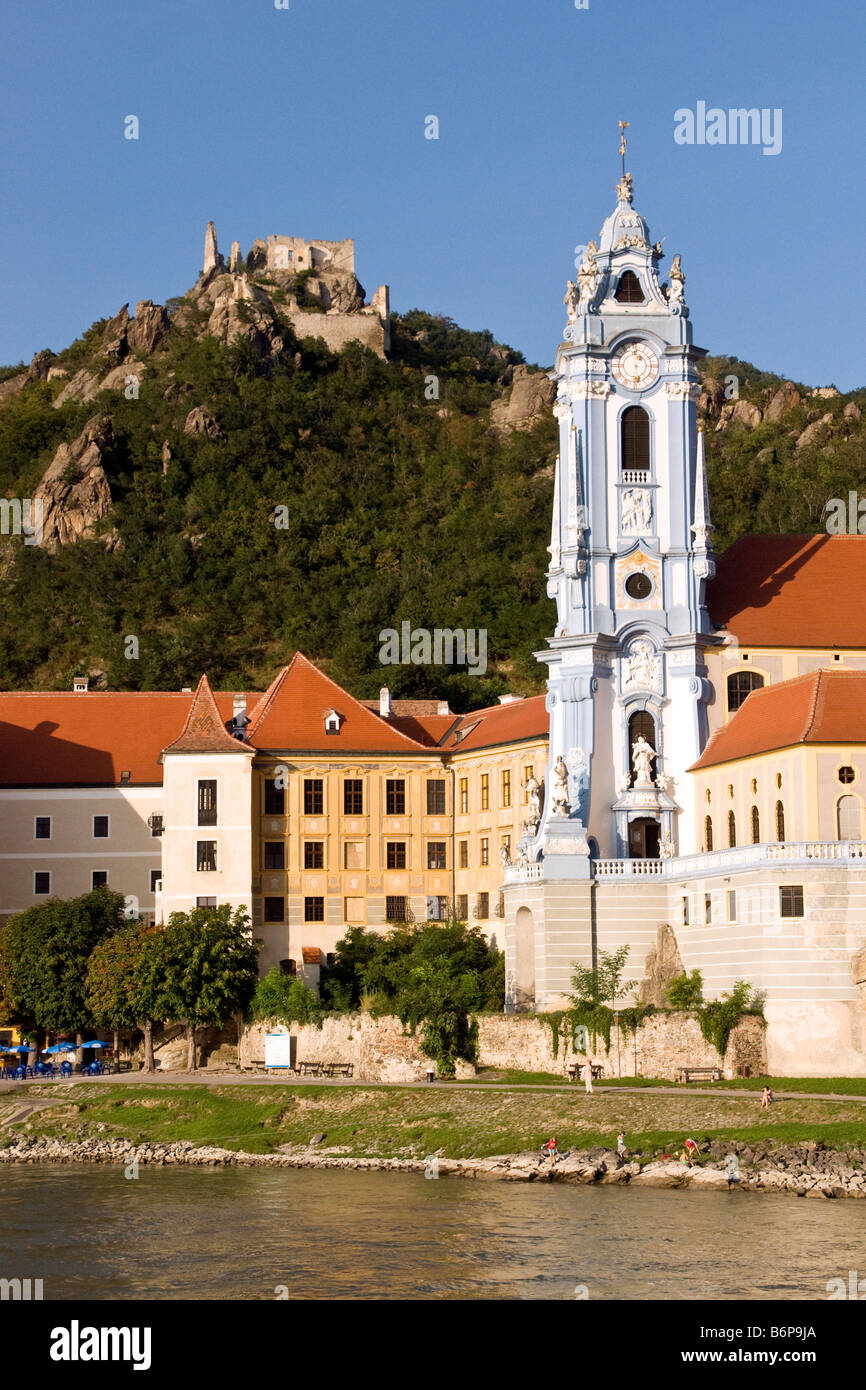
[720,1016]
[686,991]
[285,999]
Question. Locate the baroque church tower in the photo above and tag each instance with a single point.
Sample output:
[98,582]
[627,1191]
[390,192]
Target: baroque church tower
[630,554]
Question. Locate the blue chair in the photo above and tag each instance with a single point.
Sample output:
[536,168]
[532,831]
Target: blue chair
[65,1068]
[20,1073]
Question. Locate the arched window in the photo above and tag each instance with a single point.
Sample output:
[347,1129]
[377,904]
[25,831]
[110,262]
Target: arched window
[756,826]
[635,428]
[641,723]
[628,291]
[708,833]
[848,818]
[740,685]
[780,821]
[732,830]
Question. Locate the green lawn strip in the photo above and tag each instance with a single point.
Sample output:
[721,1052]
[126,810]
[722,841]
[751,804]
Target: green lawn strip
[817,1085]
[546,1078]
[414,1122]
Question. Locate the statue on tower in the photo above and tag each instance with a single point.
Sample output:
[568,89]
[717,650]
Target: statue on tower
[587,275]
[642,757]
[678,280]
[560,788]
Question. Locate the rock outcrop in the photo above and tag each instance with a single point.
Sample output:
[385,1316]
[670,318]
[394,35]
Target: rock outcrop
[200,421]
[74,490]
[783,400]
[663,964]
[531,396]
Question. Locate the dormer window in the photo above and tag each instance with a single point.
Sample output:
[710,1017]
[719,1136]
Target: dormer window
[628,291]
[333,720]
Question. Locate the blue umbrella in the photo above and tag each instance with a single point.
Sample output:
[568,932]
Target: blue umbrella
[95,1043]
[22,1047]
[60,1047]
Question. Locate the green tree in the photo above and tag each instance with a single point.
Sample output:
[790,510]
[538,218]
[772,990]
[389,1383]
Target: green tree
[602,983]
[44,957]
[203,969]
[118,990]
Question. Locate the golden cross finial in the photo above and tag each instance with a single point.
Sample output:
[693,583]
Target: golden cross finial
[623,127]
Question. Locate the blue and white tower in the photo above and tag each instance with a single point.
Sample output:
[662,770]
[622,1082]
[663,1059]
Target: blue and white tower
[630,554]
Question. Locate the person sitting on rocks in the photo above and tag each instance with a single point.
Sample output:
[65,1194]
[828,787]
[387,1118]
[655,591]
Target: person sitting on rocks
[689,1151]
[767,1098]
[620,1147]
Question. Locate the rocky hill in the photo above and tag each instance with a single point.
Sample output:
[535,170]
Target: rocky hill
[219,487]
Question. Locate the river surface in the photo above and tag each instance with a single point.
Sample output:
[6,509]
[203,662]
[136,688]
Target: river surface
[91,1233]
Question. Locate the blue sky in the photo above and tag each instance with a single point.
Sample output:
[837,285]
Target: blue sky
[310,121]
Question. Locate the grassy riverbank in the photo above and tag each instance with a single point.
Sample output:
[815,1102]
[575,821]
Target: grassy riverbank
[457,1122]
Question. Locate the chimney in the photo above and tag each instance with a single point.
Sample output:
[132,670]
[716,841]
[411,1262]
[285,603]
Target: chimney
[385,709]
[80,684]
[442,707]
[509,699]
[239,717]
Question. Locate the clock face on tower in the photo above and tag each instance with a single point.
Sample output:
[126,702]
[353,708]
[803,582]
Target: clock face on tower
[635,366]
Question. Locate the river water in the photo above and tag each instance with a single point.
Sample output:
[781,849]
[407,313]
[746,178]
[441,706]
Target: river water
[91,1233]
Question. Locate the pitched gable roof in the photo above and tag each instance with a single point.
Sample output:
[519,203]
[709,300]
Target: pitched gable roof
[826,707]
[291,715]
[509,723]
[204,730]
[792,591]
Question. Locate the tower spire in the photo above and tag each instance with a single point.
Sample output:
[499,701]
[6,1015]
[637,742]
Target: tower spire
[623,127]
[702,524]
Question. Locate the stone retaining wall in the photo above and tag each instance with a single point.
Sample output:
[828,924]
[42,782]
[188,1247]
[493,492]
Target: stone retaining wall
[380,1049]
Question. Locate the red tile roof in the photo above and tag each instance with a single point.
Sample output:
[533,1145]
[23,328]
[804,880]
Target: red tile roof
[291,716]
[825,707]
[792,591]
[204,730]
[510,723]
[57,738]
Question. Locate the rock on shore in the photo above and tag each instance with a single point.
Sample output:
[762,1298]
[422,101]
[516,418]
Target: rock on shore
[806,1170]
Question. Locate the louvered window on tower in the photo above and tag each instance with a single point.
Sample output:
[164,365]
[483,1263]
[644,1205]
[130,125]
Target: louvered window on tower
[207,803]
[628,291]
[635,439]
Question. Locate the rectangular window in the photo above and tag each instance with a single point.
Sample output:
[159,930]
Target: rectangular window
[685,907]
[314,799]
[314,909]
[395,797]
[353,909]
[314,854]
[791,900]
[485,851]
[437,909]
[463,850]
[98,878]
[708,908]
[484,906]
[732,904]
[205,856]
[275,909]
[275,854]
[463,906]
[485,791]
[42,828]
[155,880]
[506,788]
[436,797]
[156,826]
[207,803]
[275,798]
[506,845]
[353,796]
[395,852]
[42,881]
[205,902]
[464,796]
[436,854]
[355,855]
[395,909]
[100,827]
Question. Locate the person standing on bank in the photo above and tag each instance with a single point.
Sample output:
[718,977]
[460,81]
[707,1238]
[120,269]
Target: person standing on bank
[586,1076]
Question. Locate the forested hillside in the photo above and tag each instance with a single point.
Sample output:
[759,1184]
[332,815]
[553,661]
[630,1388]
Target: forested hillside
[248,503]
